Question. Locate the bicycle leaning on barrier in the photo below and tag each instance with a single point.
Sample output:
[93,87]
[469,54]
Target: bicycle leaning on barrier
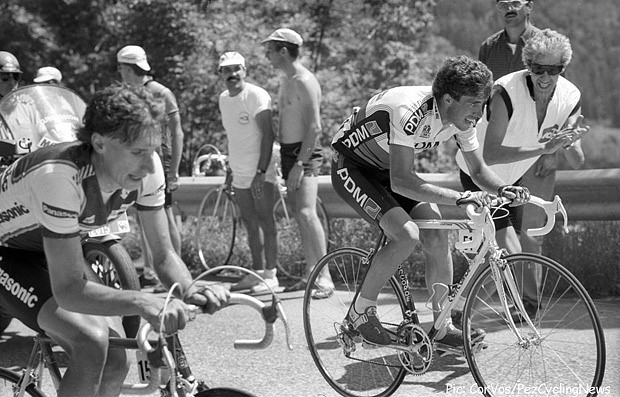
[220,236]
[559,344]
[162,363]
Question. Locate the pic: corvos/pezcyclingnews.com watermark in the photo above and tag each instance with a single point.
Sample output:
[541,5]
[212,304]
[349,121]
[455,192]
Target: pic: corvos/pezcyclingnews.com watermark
[526,390]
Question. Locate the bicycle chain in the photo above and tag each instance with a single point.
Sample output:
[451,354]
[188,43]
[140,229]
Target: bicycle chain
[376,363]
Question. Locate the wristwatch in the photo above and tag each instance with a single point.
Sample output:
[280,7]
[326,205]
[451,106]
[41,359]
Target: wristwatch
[299,163]
[260,171]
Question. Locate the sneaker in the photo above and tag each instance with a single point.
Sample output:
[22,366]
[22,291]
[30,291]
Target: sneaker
[323,290]
[298,286]
[146,281]
[453,343]
[269,285]
[369,326]
[247,282]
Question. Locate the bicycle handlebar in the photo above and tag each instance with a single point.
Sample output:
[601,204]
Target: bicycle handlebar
[550,208]
[269,314]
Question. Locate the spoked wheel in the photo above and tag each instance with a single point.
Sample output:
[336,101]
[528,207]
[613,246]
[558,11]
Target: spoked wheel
[9,384]
[113,266]
[564,351]
[291,262]
[215,231]
[350,368]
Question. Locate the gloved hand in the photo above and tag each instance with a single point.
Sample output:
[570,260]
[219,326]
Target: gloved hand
[479,199]
[518,195]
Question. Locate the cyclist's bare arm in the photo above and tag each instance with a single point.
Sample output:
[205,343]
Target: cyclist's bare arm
[171,269]
[481,173]
[405,181]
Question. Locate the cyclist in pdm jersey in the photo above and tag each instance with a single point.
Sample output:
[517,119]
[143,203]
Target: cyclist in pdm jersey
[50,198]
[373,170]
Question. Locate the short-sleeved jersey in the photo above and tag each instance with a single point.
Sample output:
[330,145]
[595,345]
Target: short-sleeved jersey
[170,107]
[54,192]
[406,116]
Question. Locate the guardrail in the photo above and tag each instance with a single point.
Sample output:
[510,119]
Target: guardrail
[587,194]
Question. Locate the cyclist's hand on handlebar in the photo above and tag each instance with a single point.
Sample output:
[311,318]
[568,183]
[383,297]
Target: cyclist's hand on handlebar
[518,195]
[174,316]
[479,199]
[210,297]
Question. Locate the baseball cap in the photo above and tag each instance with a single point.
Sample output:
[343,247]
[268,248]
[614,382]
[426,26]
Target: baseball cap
[286,35]
[133,54]
[48,73]
[231,58]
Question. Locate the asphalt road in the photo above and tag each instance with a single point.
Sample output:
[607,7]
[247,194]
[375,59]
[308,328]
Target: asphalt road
[276,371]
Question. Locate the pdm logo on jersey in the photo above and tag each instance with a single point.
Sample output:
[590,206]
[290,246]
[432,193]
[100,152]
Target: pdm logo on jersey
[417,117]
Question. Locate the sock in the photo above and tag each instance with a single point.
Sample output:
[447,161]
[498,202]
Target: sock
[270,273]
[446,326]
[361,304]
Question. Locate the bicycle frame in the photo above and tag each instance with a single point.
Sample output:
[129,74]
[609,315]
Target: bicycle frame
[477,239]
[169,365]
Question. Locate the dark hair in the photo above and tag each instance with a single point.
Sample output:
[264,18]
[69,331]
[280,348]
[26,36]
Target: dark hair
[460,76]
[293,49]
[123,112]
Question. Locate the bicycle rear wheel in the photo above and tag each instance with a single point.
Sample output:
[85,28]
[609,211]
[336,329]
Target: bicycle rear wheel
[568,355]
[216,227]
[9,381]
[291,262]
[223,392]
[350,368]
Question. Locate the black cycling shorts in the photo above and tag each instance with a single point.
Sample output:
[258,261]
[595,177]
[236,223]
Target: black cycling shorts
[288,158]
[515,214]
[24,284]
[367,190]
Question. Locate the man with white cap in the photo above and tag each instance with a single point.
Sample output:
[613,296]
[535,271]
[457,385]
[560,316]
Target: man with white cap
[134,67]
[246,116]
[301,154]
[48,74]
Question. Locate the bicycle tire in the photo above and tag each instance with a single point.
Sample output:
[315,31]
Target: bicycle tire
[290,250]
[9,381]
[113,266]
[366,372]
[216,228]
[570,355]
[223,392]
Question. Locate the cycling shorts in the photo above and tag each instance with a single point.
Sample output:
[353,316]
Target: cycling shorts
[367,190]
[24,284]
[288,158]
[515,214]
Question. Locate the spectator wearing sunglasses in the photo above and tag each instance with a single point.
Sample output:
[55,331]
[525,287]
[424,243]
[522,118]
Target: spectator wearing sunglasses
[532,112]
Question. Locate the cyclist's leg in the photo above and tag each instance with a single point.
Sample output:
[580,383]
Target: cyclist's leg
[268,224]
[93,369]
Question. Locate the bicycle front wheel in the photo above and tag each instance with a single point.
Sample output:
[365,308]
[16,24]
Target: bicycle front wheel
[565,351]
[291,262]
[350,368]
[215,229]
[9,384]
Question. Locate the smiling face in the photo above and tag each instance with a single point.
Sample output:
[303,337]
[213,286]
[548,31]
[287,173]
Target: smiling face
[234,77]
[465,112]
[123,165]
[544,84]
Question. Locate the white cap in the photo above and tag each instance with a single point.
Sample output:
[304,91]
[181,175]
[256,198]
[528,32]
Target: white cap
[231,58]
[48,73]
[135,55]
[286,35]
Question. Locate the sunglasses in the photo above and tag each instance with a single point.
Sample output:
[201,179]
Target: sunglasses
[551,70]
[505,5]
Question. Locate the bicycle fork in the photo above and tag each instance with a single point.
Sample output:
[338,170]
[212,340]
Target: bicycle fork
[502,275]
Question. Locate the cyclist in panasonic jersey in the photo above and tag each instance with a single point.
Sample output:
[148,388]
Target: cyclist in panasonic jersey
[373,170]
[49,198]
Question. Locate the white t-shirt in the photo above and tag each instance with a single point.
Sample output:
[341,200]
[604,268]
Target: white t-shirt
[244,138]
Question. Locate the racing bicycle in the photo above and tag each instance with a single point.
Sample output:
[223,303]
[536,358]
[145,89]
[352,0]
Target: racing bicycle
[221,237]
[558,344]
[161,362]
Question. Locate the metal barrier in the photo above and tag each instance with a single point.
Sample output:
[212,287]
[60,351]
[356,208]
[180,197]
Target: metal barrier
[587,194]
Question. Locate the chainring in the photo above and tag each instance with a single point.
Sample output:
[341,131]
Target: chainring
[420,355]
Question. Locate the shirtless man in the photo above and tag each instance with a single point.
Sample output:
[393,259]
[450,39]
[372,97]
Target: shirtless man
[299,100]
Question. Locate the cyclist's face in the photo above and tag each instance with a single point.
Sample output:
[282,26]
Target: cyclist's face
[465,112]
[123,165]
